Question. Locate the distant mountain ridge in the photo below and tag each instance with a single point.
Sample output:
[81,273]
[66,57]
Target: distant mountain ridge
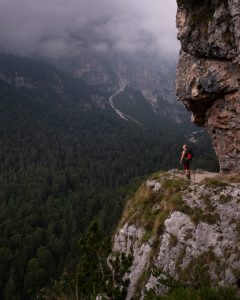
[34,76]
[152,76]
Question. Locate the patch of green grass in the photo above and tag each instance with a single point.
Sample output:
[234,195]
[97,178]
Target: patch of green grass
[198,270]
[141,283]
[139,205]
[147,235]
[236,273]
[233,178]
[214,182]
[175,184]
[207,202]
[140,209]
[158,225]
[194,283]
[175,202]
[158,175]
[197,215]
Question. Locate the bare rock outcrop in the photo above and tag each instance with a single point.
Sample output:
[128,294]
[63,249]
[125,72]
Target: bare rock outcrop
[196,228]
[208,72]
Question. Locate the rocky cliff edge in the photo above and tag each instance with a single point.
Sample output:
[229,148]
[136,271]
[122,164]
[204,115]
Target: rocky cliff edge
[208,72]
[173,229]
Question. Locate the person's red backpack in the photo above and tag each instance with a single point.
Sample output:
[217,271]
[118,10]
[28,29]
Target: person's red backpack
[189,155]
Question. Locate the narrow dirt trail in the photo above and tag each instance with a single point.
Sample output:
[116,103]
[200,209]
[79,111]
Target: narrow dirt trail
[199,175]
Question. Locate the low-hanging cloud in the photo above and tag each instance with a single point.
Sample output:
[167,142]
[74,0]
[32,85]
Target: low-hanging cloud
[65,27]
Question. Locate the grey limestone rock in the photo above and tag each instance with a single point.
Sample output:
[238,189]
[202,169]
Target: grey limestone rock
[154,185]
[208,232]
[129,241]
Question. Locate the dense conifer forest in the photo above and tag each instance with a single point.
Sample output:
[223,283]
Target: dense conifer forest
[65,163]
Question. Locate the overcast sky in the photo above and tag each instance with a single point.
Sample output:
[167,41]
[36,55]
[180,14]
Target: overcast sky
[64,27]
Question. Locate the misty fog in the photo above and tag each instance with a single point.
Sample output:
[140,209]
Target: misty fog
[57,28]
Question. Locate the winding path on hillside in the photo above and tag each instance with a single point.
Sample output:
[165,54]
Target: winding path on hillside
[118,111]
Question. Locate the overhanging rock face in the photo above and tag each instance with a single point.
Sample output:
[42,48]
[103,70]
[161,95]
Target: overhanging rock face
[208,72]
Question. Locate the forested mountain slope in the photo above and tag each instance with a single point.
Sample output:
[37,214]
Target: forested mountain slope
[66,159]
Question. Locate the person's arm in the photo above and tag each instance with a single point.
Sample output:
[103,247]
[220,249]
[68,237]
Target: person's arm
[183,152]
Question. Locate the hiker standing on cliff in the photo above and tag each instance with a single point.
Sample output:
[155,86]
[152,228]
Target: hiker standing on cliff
[185,160]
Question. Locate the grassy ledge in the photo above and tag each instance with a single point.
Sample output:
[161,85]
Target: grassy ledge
[149,209]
